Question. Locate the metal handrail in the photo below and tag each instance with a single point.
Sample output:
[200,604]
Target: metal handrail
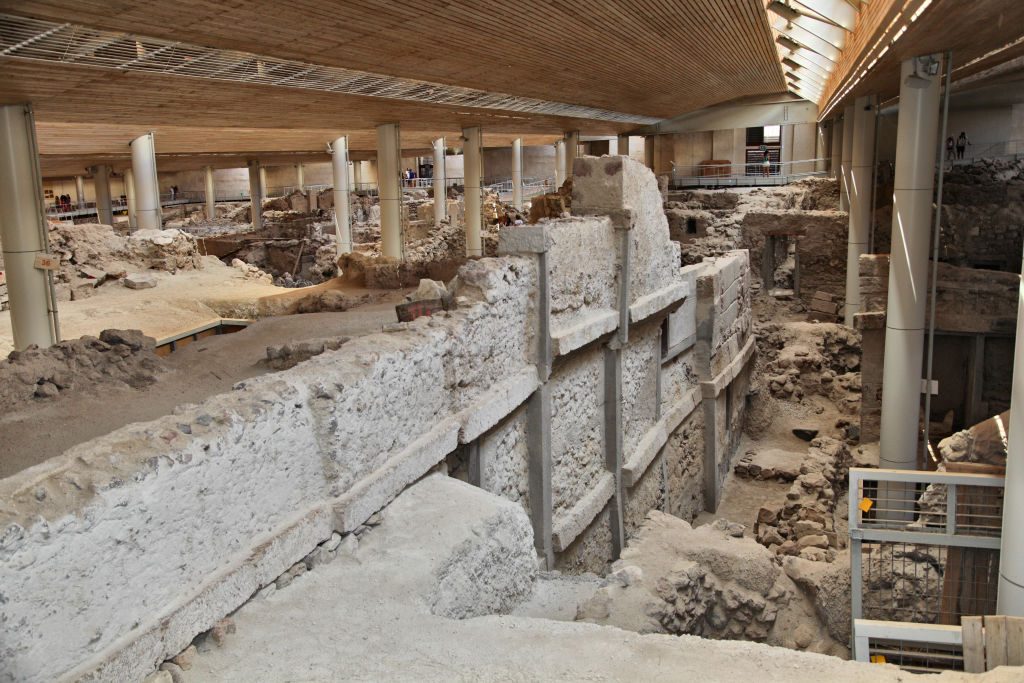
[866,630]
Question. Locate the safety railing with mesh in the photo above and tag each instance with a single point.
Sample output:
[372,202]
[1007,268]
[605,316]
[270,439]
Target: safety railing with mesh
[924,546]
[727,174]
[919,648]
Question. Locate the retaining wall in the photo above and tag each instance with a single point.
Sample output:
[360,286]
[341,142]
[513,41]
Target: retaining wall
[573,378]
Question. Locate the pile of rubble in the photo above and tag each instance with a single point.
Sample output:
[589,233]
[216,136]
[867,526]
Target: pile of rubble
[553,204]
[798,359]
[80,365]
[92,254]
[709,581]
[805,524]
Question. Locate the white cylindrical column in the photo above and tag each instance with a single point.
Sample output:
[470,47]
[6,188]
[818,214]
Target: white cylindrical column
[389,150]
[572,150]
[820,148]
[861,166]
[255,195]
[80,191]
[342,206]
[129,193]
[101,188]
[472,150]
[517,173]
[147,196]
[649,151]
[357,175]
[848,124]
[622,146]
[559,163]
[786,149]
[23,231]
[263,181]
[1011,553]
[837,152]
[914,181]
[211,194]
[300,177]
[440,183]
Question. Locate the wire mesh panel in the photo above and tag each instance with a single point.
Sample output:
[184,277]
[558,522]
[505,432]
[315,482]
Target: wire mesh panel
[917,657]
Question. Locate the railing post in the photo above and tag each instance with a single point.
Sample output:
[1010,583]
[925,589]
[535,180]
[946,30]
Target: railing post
[951,509]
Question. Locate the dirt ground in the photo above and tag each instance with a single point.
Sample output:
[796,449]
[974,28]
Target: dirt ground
[209,366]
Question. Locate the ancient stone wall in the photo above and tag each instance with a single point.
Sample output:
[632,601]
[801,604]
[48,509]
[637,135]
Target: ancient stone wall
[551,384]
[979,303]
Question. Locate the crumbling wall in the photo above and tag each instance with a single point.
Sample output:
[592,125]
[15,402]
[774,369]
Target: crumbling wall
[246,484]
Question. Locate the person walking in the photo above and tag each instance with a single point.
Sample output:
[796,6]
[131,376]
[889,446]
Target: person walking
[766,164]
[950,153]
[961,144]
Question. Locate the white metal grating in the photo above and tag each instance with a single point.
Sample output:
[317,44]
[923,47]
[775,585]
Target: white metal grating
[47,41]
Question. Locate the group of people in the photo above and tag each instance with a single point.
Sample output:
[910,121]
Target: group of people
[63,202]
[960,145]
[409,175]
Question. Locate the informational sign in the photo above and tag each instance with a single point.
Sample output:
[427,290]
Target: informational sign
[46,262]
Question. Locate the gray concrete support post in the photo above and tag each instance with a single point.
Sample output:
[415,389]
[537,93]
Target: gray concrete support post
[300,177]
[572,150]
[342,202]
[263,181]
[837,152]
[389,150]
[559,163]
[472,151]
[847,158]
[649,151]
[23,231]
[211,194]
[147,197]
[538,416]
[517,173]
[820,148]
[255,195]
[440,183]
[860,190]
[101,185]
[80,191]
[1010,600]
[129,193]
[622,145]
[914,182]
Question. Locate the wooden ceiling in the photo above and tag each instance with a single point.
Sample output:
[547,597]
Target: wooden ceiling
[655,58]
[971,30]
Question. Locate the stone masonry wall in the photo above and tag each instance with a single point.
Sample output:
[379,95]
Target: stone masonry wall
[115,555]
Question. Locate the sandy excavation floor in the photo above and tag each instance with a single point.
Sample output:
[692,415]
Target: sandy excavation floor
[209,366]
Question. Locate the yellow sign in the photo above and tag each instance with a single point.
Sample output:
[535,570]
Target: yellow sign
[865,504]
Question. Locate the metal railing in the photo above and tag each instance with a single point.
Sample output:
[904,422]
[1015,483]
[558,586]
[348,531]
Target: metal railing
[924,546]
[1005,149]
[727,174]
[920,648]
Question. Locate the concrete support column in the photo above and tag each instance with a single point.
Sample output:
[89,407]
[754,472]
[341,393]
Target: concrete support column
[80,191]
[559,163]
[786,152]
[129,193]
[916,141]
[649,141]
[861,165]
[300,177]
[572,150]
[256,194]
[23,231]
[357,175]
[1011,554]
[101,185]
[837,153]
[211,194]
[517,173]
[263,181]
[440,183]
[820,148]
[472,150]
[147,198]
[623,145]
[847,158]
[389,150]
[342,205]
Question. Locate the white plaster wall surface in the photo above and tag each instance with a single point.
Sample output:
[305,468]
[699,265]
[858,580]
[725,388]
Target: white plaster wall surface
[577,428]
[104,542]
[682,322]
[640,360]
[505,458]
